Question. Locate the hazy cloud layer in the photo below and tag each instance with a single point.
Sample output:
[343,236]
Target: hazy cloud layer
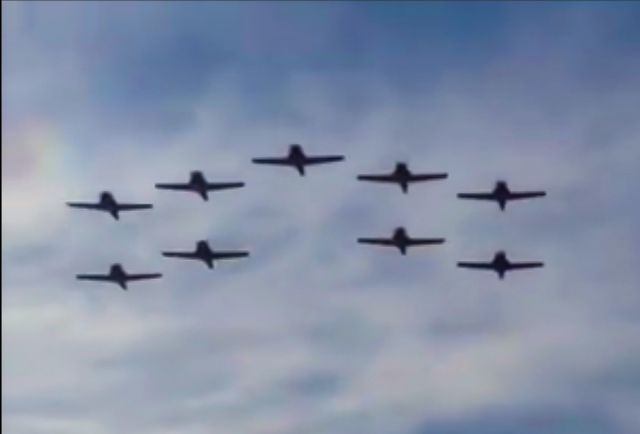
[314,333]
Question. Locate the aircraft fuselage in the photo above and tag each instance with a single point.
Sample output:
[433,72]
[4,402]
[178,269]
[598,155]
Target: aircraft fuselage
[199,184]
[501,193]
[402,176]
[401,240]
[203,252]
[118,275]
[109,204]
[297,158]
[501,264]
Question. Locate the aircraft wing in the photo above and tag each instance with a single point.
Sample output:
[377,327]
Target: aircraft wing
[427,177]
[183,255]
[229,255]
[377,178]
[85,205]
[322,160]
[377,241]
[223,185]
[478,196]
[95,277]
[276,161]
[143,276]
[133,206]
[526,195]
[424,241]
[174,187]
[477,265]
[523,265]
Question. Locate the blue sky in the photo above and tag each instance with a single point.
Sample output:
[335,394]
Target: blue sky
[313,333]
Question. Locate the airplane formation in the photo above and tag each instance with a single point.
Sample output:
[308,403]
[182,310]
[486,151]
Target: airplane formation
[299,160]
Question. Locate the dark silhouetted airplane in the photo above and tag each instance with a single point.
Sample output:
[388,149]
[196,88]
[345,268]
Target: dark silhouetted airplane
[204,253]
[502,194]
[403,177]
[119,276]
[401,241]
[500,264]
[108,203]
[298,159]
[198,184]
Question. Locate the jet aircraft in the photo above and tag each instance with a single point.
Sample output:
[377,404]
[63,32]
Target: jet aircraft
[403,177]
[500,264]
[119,276]
[401,241]
[108,203]
[203,252]
[502,195]
[298,160]
[198,184]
